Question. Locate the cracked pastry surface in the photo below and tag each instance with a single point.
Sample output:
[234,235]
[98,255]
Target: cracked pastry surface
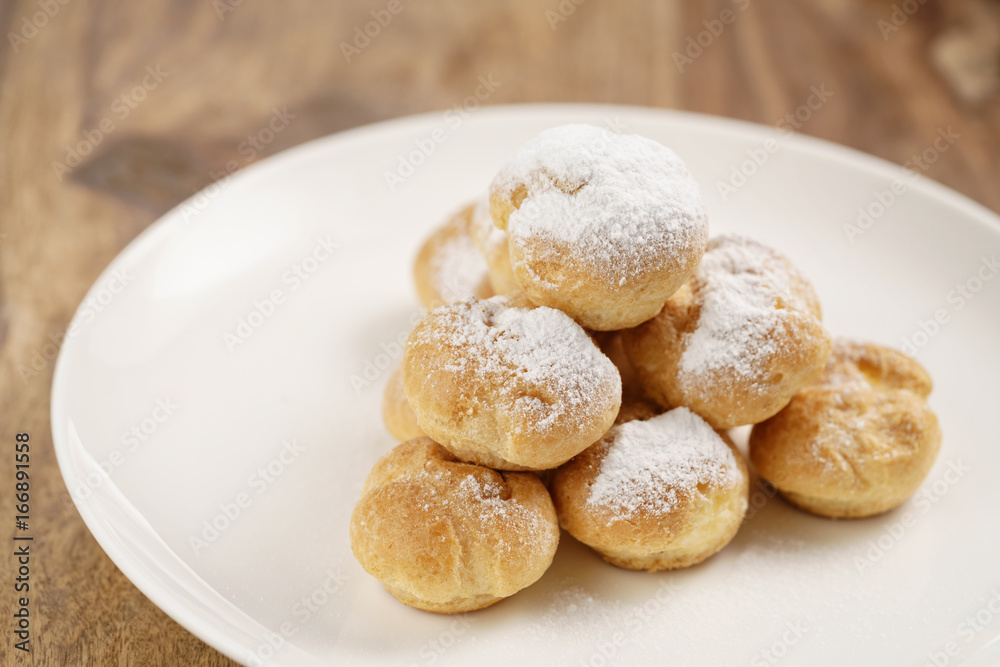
[448,537]
[856,443]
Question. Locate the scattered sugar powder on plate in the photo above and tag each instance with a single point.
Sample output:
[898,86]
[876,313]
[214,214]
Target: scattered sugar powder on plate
[628,203]
[741,285]
[578,615]
[651,465]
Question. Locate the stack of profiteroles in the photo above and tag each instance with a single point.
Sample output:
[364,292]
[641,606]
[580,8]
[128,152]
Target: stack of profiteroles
[586,347]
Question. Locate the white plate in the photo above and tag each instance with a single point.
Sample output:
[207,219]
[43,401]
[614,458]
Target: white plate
[791,587]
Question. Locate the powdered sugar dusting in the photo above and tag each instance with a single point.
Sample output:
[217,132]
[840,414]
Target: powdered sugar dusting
[481,502]
[542,362]
[653,465]
[576,614]
[457,268]
[627,203]
[746,291]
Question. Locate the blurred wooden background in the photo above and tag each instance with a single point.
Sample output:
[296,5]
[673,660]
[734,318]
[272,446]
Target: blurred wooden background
[111,112]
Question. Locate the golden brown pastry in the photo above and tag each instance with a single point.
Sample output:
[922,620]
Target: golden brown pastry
[635,403]
[637,408]
[509,387]
[659,494]
[737,341]
[611,345]
[397,414]
[447,536]
[601,226]
[858,442]
[492,245]
[449,267]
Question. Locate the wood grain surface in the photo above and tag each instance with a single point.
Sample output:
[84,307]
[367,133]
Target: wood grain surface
[113,112]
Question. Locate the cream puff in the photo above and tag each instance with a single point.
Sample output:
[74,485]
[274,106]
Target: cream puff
[509,386]
[737,341]
[656,494]
[858,442]
[601,226]
[448,537]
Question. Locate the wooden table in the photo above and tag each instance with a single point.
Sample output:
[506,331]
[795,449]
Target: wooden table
[112,112]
